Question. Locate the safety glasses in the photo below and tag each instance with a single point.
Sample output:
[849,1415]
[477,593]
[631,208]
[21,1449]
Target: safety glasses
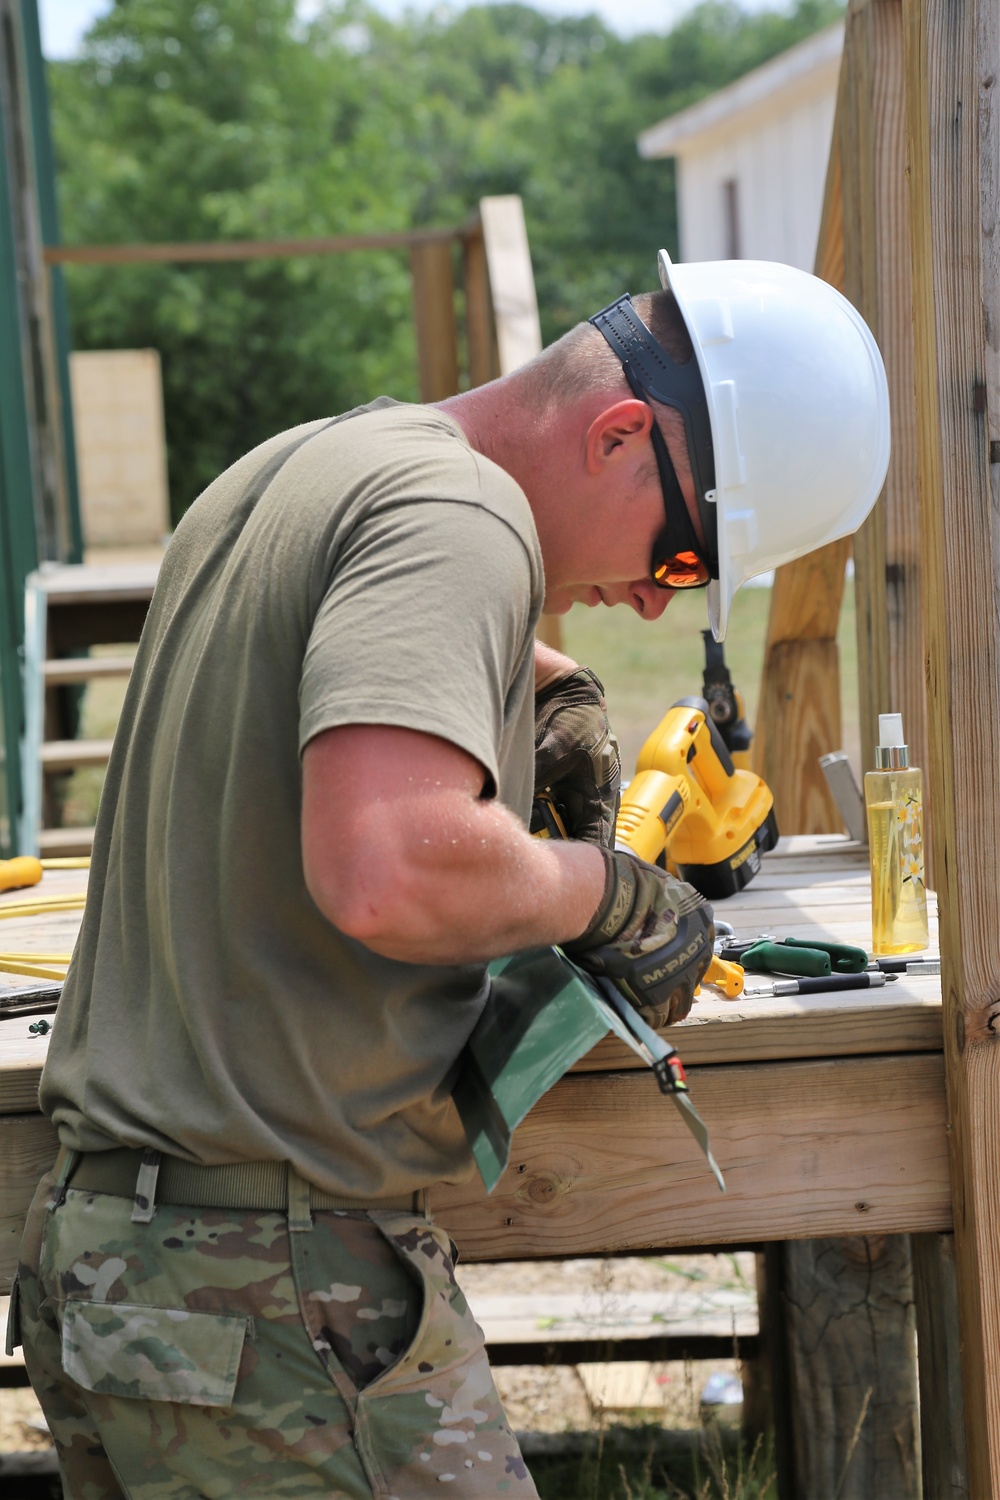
[679,561]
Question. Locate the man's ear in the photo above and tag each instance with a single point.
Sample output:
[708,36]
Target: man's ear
[615,431]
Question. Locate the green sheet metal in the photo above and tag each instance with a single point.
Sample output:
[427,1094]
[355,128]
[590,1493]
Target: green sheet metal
[542,1016]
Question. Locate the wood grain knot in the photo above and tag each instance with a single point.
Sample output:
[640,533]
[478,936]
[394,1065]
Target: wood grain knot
[544,1189]
[862,1207]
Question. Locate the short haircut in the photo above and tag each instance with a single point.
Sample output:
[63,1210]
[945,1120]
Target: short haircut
[582,362]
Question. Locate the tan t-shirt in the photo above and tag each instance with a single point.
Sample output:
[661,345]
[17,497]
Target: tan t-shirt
[373,570]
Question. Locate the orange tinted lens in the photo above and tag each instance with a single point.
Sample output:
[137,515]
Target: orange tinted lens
[684,571]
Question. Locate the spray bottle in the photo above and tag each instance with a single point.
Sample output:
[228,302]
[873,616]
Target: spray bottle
[894,801]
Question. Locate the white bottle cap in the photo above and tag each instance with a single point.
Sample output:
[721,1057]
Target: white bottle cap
[891,752]
[890,730]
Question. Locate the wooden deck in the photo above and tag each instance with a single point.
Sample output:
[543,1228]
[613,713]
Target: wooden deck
[827,1114]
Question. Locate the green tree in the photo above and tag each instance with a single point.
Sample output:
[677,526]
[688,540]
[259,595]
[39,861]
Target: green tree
[190,120]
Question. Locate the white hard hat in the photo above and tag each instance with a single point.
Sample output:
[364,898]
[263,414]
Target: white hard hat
[798,406]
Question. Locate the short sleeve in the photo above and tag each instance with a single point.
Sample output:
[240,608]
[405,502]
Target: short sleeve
[424,625]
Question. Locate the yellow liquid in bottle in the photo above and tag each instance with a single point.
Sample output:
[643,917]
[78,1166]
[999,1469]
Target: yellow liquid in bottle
[895,837]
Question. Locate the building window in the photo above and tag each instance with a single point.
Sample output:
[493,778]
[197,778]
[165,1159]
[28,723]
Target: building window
[731,218]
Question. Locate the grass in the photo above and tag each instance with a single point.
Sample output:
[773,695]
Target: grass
[645,668]
[636,1464]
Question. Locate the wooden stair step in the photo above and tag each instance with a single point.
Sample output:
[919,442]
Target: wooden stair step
[86,583]
[63,843]
[69,755]
[86,668]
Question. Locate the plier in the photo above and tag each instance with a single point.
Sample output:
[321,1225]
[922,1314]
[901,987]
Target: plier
[809,957]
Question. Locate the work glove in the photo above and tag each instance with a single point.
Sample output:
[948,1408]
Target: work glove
[652,934]
[577,757]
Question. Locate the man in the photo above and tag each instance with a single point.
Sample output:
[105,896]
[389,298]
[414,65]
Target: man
[313,836]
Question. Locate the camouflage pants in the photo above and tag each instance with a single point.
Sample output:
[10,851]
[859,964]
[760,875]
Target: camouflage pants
[213,1353]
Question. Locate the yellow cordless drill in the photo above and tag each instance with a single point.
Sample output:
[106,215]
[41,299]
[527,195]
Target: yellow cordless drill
[689,806]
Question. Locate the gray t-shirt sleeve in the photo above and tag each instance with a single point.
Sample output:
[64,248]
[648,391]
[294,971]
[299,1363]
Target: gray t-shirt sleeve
[424,626]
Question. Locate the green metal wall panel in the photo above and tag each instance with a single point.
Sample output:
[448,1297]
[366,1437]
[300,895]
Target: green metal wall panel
[18,553]
[48,209]
[39,513]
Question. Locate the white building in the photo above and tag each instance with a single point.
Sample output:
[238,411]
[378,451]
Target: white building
[751,159]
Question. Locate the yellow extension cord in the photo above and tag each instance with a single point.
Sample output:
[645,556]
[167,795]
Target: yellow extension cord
[51,966]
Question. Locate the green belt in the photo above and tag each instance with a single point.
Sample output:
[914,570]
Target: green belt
[260,1185]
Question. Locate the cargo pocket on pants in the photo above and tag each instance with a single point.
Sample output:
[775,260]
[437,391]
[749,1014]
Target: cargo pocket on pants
[152,1353]
[435,1416]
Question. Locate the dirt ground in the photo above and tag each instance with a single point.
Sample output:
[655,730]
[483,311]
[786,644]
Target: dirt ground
[540,1398]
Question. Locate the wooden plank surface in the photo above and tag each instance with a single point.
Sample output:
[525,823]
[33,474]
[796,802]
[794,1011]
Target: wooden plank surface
[952,58]
[603,1163]
[799,893]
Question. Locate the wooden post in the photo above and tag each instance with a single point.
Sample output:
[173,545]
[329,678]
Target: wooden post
[952,57]
[846,1303]
[480,335]
[798,719]
[942,1426]
[515,312]
[434,314]
[515,306]
[877,280]
[799,714]
[851,1397]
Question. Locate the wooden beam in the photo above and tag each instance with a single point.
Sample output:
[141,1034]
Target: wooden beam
[604,1162]
[211,250]
[952,59]
[799,714]
[434,315]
